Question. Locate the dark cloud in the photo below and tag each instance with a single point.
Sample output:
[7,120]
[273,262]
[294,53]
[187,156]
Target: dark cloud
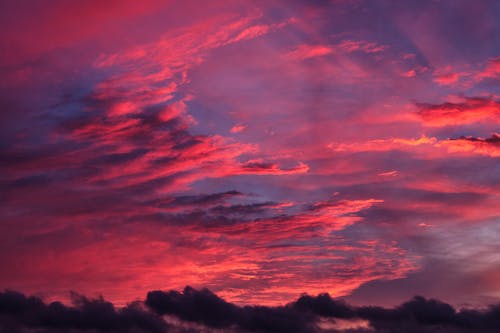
[204,307]
[201,310]
[428,315]
[323,305]
[22,314]
[417,315]
[192,305]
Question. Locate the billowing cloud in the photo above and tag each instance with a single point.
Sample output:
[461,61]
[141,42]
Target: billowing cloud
[195,310]
[20,313]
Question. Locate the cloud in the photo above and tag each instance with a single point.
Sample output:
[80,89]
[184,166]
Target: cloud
[357,45]
[492,69]
[383,144]
[263,168]
[447,79]
[323,305]
[471,110]
[238,128]
[125,152]
[202,306]
[303,52]
[306,51]
[192,305]
[201,310]
[20,313]
[429,147]
[264,254]
[483,146]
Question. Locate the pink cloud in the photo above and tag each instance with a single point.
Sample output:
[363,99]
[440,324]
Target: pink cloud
[306,51]
[410,73]
[310,51]
[248,261]
[492,69]
[489,146]
[238,128]
[429,147]
[364,46]
[389,173]
[383,144]
[252,32]
[469,111]
[447,79]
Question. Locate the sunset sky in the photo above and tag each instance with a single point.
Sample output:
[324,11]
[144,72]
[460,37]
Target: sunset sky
[261,149]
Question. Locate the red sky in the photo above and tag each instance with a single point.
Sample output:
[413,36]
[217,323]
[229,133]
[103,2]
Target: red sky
[261,149]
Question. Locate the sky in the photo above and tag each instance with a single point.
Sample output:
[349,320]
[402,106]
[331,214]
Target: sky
[262,150]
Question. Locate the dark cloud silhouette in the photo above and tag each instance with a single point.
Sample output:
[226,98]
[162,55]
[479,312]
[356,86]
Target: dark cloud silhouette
[202,310]
[323,305]
[20,313]
[417,315]
[204,307]
[192,305]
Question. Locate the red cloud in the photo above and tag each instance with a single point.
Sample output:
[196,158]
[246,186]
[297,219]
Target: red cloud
[489,146]
[310,51]
[383,144]
[150,78]
[356,45]
[430,147]
[469,111]
[258,167]
[268,261]
[238,128]
[447,79]
[306,51]
[492,69]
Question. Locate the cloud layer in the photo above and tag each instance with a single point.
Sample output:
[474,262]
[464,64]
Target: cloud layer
[203,311]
